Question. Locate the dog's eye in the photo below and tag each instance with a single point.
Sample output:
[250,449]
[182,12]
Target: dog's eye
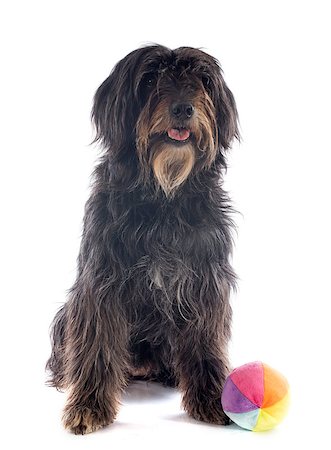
[205,80]
[149,79]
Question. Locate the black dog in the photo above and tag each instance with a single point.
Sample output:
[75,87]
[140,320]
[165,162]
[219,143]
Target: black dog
[151,297]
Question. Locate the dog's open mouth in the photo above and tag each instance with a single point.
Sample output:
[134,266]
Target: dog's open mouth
[179,134]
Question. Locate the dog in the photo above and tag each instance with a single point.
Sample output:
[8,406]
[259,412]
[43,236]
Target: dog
[151,297]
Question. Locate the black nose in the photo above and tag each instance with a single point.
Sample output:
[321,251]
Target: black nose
[182,110]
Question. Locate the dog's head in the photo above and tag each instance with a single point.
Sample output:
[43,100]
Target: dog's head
[171,110]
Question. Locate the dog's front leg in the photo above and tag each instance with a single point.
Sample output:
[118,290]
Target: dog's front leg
[202,367]
[202,373]
[95,365]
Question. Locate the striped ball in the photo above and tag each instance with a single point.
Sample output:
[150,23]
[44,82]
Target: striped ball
[256,396]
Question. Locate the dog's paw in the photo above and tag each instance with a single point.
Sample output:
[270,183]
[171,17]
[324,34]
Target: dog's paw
[210,412]
[83,420]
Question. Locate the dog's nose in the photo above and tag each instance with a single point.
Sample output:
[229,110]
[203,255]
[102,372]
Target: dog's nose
[182,110]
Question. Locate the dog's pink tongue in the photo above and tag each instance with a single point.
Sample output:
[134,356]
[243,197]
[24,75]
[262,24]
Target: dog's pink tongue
[178,135]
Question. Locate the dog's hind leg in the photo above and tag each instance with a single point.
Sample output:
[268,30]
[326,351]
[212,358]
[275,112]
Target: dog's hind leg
[152,363]
[55,364]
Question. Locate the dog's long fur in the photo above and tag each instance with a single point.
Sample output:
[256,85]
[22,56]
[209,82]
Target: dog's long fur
[151,298]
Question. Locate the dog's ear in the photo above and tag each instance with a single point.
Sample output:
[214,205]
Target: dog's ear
[226,114]
[113,112]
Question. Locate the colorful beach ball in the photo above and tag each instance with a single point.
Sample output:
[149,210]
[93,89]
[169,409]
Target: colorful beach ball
[256,396]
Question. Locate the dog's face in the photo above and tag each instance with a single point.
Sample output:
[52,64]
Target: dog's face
[172,108]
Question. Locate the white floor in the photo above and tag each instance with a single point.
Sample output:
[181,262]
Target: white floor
[151,418]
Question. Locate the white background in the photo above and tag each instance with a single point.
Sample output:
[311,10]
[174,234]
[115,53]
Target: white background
[275,56]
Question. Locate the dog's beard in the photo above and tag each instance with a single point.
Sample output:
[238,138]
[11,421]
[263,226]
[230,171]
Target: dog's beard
[172,165]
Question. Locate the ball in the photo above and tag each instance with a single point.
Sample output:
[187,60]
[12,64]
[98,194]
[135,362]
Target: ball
[256,396]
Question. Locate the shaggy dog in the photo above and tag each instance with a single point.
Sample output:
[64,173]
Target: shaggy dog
[151,297]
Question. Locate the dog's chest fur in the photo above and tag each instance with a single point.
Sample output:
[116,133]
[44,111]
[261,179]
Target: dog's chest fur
[163,245]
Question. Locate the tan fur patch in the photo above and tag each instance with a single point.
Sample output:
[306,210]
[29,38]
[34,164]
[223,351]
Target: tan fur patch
[172,165]
[81,420]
